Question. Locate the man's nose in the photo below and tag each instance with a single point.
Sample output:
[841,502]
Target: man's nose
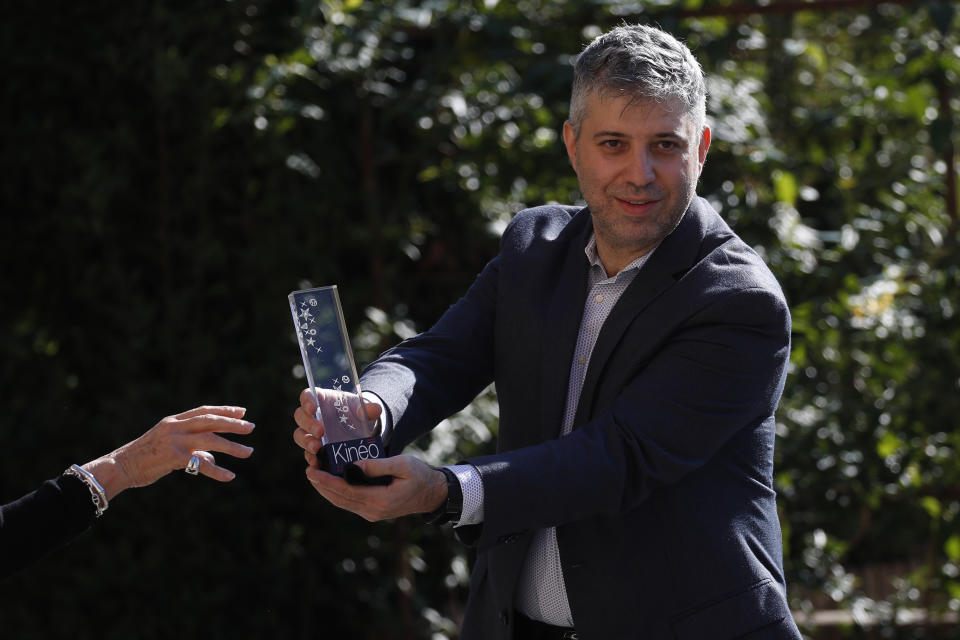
[640,170]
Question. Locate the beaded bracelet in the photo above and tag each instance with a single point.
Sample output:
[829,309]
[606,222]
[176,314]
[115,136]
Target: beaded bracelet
[97,493]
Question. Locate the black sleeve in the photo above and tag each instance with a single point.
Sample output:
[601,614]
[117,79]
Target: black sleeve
[44,520]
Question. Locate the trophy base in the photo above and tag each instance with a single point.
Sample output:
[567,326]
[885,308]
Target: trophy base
[338,457]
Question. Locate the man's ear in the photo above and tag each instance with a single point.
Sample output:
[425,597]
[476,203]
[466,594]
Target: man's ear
[570,142]
[704,146]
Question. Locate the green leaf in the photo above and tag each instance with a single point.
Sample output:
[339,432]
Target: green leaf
[932,505]
[952,547]
[785,187]
[888,445]
[428,174]
[817,55]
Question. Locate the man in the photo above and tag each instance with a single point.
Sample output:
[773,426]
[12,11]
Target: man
[639,351]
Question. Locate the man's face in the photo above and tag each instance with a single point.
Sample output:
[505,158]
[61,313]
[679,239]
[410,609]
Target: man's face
[638,166]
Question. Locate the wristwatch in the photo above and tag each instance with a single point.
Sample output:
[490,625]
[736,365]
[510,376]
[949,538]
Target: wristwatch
[452,507]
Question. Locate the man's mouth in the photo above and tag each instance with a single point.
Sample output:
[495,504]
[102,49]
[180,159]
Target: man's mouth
[637,207]
[638,202]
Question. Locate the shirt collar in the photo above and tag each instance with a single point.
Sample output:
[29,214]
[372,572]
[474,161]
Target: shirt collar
[593,256]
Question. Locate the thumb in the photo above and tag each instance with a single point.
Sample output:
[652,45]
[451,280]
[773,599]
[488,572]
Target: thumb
[379,466]
[373,410]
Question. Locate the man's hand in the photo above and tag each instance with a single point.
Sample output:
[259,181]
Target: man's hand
[416,488]
[310,430]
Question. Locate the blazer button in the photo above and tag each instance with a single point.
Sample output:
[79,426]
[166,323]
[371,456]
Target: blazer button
[504,617]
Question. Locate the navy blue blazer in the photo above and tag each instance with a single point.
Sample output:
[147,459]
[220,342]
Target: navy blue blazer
[663,493]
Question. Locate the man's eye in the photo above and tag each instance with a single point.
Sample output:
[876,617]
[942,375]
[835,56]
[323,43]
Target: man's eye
[612,144]
[667,145]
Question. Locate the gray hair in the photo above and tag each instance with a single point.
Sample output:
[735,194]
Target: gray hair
[643,63]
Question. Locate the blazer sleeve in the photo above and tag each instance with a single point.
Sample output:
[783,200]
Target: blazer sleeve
[431,376]
[42,521]
[719,373]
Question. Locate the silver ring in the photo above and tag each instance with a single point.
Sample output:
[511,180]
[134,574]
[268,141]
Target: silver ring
[193,467]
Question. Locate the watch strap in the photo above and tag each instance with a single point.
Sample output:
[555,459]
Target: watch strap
[452,508]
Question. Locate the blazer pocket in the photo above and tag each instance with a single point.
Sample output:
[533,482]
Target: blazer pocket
[758,606]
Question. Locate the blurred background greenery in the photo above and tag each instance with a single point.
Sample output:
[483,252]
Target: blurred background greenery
[171,170]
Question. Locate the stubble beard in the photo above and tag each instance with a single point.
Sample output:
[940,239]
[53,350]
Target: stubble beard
[639,235]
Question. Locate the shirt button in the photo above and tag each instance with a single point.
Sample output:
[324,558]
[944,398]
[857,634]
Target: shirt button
[582,360]
[599,298]
[504,617]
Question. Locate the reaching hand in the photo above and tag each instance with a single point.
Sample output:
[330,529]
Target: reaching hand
[168,446]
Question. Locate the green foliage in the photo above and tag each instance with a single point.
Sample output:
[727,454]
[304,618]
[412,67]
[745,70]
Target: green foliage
[172,171]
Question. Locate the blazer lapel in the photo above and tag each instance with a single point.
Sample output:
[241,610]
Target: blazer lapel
[675,255]
[561,323]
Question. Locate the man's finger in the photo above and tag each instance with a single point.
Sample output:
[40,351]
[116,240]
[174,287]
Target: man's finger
[308,422]
[373,467]
[307,441]
[335,489]
[308,401]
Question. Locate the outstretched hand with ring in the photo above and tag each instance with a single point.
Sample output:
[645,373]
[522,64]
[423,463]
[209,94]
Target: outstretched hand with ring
[171,444]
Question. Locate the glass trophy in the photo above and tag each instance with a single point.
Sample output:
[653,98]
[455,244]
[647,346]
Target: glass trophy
[332,377]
